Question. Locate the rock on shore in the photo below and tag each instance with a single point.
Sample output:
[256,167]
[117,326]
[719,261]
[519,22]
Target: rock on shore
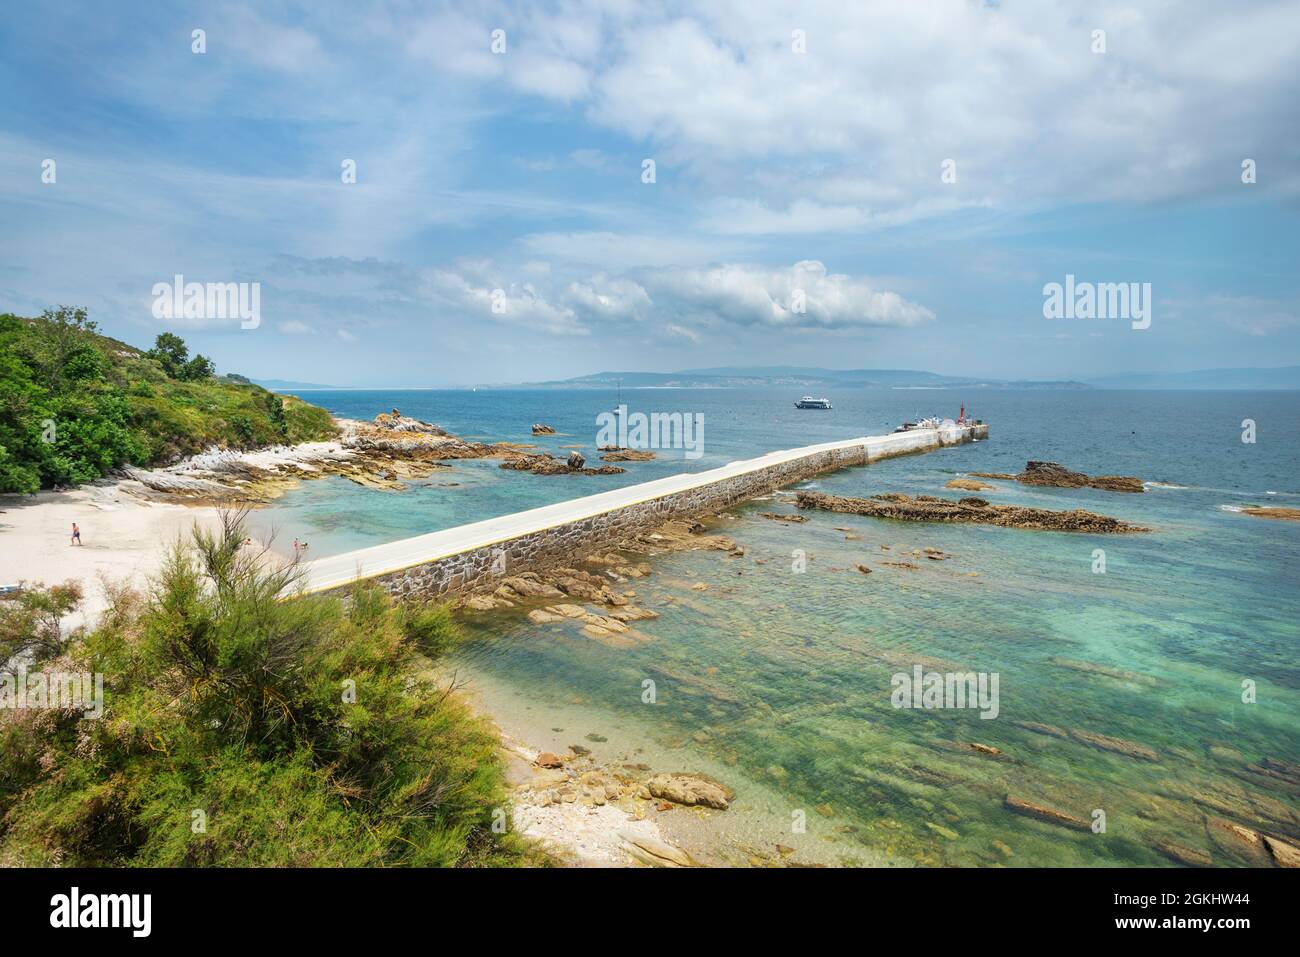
[591,813]
[927,508]
[378,454]
[691,789]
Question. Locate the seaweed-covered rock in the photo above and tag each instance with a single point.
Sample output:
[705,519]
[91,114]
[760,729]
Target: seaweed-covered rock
[927,508]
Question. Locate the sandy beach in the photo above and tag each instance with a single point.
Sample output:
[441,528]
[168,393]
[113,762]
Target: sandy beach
[123,539]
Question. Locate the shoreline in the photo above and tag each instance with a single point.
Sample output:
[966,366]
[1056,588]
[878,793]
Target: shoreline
[125,540]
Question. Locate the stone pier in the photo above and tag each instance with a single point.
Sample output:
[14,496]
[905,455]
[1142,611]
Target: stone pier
[477,555]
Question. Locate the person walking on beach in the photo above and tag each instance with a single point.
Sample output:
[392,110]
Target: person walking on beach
[76,535]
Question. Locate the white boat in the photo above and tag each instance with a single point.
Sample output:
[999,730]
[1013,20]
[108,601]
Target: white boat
[808,402]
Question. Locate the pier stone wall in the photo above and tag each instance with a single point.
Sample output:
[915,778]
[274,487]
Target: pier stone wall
[482,567]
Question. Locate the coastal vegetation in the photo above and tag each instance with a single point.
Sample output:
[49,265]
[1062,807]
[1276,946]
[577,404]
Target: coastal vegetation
[240,729]
[75,404]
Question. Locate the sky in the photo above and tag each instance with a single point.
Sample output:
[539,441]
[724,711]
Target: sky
[849,185]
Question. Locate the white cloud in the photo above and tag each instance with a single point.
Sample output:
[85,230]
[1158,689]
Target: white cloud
[626,250]
[480,292]
[289,49]
[852,133]
[684,302]
[760,296]
[603,298]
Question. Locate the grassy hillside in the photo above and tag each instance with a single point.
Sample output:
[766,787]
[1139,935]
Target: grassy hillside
[75,404]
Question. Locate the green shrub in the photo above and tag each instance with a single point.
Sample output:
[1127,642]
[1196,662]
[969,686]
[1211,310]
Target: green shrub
[306,730]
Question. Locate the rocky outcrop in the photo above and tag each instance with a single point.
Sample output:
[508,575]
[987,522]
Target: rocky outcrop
[1058,476]
[625,455]
[927,508]
[539,429]
[1281,514]
[380,454]
[546,464]
[691,789]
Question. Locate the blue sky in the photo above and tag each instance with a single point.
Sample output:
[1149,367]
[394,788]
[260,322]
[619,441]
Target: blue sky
[519,174]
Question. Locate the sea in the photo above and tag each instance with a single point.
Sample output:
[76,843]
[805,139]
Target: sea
[1148,685]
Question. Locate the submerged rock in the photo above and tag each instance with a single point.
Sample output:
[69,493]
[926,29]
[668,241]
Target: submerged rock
[1285,854]
[1050,815]
[1282,514]
[1187,856]
[968,485]
[1102,741]
[626,455]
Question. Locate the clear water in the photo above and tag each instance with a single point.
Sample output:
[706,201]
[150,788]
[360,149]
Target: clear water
[778,682]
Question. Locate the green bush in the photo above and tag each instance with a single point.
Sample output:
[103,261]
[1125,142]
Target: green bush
[307,730]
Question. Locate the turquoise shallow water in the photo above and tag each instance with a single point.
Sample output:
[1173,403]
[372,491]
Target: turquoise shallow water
[778,681]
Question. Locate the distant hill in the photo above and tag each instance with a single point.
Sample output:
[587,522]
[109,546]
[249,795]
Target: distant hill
[1283,377]
[800,377]
[289,385]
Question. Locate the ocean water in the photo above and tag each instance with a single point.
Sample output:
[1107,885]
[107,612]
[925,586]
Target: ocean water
[777,677]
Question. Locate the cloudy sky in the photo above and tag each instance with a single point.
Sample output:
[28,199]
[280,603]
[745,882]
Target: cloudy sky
[912,173]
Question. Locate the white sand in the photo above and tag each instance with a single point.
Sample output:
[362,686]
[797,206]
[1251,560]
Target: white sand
[123,539]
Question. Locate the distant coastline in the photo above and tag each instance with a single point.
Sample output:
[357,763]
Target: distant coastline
[1282,378]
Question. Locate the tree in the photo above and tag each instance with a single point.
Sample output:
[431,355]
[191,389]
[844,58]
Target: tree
[275,408]
[171,352]
[197,369]
[67,334]
[31,631]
